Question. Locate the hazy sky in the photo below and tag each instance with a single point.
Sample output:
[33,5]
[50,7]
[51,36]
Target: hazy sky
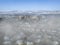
[29,5]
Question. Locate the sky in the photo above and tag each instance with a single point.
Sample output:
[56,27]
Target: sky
[31,5]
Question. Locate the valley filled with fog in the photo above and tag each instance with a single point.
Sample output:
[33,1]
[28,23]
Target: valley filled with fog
[30,29]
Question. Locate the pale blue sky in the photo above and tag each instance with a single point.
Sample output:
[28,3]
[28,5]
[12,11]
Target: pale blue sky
[29,5]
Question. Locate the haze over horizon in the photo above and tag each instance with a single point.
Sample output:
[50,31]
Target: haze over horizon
[30,5]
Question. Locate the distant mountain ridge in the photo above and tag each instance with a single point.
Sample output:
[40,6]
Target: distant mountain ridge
[28,12]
